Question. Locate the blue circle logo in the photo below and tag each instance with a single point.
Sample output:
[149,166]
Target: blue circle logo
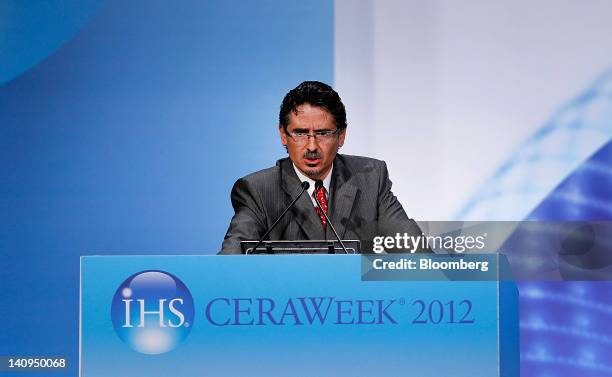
[152,312]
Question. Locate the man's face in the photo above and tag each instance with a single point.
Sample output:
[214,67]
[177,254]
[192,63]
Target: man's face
[314,157]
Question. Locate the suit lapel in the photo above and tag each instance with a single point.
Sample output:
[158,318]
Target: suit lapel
[303,211]
[343,197]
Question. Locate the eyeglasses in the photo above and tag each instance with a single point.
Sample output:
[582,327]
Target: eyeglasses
[322,136]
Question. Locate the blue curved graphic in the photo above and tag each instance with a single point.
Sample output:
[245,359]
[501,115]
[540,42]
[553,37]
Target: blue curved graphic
[542,162]
[565,327]
[585,195]
[32,30]
[562,173]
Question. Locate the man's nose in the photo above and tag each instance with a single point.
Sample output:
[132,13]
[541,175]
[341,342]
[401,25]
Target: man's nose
[312,144]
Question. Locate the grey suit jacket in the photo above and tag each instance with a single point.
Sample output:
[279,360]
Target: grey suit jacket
[361,206]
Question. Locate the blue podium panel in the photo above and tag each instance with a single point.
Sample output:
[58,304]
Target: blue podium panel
[300,315]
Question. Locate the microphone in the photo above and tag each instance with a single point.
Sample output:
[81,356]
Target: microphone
[318,185]
[305,186]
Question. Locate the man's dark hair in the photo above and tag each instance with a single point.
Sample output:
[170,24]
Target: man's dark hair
[316,94]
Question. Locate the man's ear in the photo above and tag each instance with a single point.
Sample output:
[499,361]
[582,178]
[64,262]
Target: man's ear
[341,138]
[283,135]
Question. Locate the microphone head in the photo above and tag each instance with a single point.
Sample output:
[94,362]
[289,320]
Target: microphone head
[305,185]
[318,184]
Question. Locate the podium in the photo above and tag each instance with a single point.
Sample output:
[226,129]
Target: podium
[298,315]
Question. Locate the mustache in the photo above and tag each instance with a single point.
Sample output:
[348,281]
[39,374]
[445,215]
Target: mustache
[309,154]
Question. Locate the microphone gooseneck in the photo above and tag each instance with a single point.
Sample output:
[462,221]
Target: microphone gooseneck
[305,186]
[318,185]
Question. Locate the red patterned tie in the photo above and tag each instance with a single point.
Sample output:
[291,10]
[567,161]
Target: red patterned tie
[322,198]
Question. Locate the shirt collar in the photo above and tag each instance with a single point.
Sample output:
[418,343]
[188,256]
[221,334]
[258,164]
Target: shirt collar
[303,178]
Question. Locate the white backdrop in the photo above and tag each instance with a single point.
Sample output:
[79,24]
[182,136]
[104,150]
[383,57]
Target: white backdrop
[446,91]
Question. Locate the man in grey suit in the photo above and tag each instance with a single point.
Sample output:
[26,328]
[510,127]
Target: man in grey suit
[356,192]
